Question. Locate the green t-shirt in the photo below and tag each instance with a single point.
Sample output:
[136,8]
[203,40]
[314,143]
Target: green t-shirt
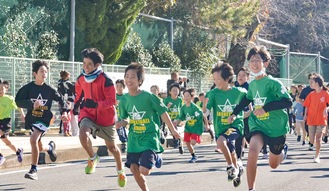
[262,91]
[194,118]
[223,102]
[7,104]
[143,131]
[118,98]
[174,109]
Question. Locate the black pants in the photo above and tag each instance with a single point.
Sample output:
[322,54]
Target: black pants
[239,140]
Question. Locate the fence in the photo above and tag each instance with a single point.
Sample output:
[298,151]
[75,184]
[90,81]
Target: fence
[295,65]
[18,71]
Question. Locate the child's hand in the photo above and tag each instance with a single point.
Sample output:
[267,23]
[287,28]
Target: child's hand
[169,104]
[259,112]
[37,104]
[205,101]
[230,119]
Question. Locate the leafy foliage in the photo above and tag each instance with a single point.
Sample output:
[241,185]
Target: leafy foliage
[47,47]
[165,57]
[105,24]
[134,51]
[25,20]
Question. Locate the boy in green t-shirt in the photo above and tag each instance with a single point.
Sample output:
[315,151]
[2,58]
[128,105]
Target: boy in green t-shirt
[174,103]
[7,104]
[194,122]
[268,122]
[222,100]
[143,138]
[120,86]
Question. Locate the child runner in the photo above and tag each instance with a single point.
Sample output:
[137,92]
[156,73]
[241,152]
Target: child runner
[143,138]
[199,103]
[300,123]
[174,103]
[97,112]
[37,98]
[122,133]
[194,122]
[316,112]
[268,123]
[7,104]
[157,119]
[242,81]
[222,99]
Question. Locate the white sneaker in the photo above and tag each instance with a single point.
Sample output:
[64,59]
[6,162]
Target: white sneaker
[239,162]
[265,156]
[317,159]
[232,173]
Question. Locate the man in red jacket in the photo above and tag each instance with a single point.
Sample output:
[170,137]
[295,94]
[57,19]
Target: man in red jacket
[95,94]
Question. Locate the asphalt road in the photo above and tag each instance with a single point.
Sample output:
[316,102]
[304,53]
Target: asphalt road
[298,172]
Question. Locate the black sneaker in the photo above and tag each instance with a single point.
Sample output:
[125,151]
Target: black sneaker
[123,147]
[180,147]
[237,181]
[32,174]
[325,139]
[303,143]
[52,153]
[298,138]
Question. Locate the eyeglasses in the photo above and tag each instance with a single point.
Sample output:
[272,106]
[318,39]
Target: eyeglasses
[256,61]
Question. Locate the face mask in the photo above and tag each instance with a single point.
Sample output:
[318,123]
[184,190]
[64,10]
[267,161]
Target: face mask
[258,73]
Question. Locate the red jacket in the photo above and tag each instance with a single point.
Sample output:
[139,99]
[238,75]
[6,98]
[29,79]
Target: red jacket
[102,91]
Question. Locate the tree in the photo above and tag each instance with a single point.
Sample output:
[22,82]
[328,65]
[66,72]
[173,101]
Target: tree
[164,57]
[134,51]
[25,20]
[105,24]
[47,47]
[301,24]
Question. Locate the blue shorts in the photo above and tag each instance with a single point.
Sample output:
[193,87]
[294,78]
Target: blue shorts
[231,135]
[146,159]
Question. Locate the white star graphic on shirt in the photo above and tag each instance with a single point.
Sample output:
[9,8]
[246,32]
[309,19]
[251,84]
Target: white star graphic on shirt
[44,101]
[135,114]
[259,101]
[227,107]
[196,114]
[188,117]
[174,109]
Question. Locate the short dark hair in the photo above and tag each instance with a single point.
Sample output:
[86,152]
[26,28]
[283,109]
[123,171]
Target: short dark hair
[226,71]
[37,64]
[139,69]
[191,91]
[174,85]
[245,70]
[64,74]
[262,51]
[120,81]
[310,75]
[93,54]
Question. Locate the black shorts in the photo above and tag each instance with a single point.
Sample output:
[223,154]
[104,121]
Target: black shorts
[145,159]
[5,127]
[276,144]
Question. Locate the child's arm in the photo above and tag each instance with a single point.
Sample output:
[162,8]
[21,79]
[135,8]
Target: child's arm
[165,118]
[243,103]
[205,120]
[22,114]
[122,123]
[305,115]
[283,103]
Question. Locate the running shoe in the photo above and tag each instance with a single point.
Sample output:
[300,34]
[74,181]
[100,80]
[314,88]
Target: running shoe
[91,167]
[193,160]
[122,179]
[32,174]
[20,154]
[52,151]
